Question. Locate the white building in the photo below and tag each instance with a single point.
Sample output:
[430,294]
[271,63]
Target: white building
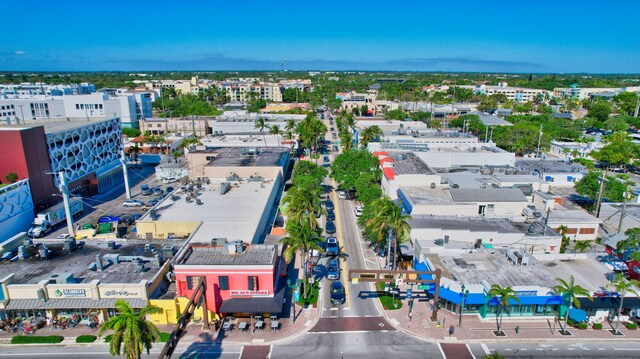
[518,94]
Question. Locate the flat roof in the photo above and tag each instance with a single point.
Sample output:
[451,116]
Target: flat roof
[234,215]
[57,125]
[256,254]
[247,157]
[423,194]
[550,166]
[572,215]
[480,225]
[487,195]
[493,267]
[33,270]
[408,163]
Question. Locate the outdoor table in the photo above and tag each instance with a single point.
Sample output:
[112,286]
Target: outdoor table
[275,325]
[260,324]
[243,326]
[227,325]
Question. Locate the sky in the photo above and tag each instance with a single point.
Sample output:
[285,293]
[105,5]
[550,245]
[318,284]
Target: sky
[538,36]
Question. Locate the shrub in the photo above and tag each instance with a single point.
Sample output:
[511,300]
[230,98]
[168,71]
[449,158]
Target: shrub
[631,326]
[107,339]
[86,339]
[387,300]
[597,326]
[164,337]
[582,326]
[24,339]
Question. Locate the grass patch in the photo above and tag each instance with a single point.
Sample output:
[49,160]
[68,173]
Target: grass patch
[313,294]
[49,339]
[386,299]
[86,339]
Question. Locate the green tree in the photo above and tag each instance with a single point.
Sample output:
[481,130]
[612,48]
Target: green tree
[626,102]
[616,124]
[504,295]
[275,130]
[356,170]
[582,246]
[369,134]
[132,332]
[569,291]
[618,152]
[488,103]
[261,124]
[421,116]
[189,143]
[309,131]
[600,111]
[623,286]
[589,186]
[301,238]
[396,114]
[12,177]
[131,132]
[387,216]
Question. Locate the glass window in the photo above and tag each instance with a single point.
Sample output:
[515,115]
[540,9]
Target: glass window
[223,282]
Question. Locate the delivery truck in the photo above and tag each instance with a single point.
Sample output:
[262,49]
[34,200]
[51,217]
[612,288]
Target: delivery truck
[46,220]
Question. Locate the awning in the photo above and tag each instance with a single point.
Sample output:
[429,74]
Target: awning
[578,315]
[609,303]
[71,303]
[254,304]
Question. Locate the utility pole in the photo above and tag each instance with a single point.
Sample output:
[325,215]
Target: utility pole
[65,198]
[539,140]
[635,113]
[389,248]
[624,207]
[600,194]
[125,172]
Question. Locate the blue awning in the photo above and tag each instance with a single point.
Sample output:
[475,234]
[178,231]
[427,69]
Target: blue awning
[577,315]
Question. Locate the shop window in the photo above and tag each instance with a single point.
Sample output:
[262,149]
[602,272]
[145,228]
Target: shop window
[223,282]
[252,283]
[587,230]
[190,282]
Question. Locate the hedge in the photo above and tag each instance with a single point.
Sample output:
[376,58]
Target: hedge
[597,326]
[631,326]
[86,339]
[582,326]
[28,339]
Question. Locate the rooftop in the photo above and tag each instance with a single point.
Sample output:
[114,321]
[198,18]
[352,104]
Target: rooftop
[405,163]
[550,166]
[234,215]
[33,270]
[479,225]
[576,215]
[56,125]
[487,195]
[484,267]
[256,254]
[248,157]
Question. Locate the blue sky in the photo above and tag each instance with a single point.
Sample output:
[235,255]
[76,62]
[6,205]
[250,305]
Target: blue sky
[496,36]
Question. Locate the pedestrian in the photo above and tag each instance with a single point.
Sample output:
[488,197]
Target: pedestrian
[517,329]
[451,330]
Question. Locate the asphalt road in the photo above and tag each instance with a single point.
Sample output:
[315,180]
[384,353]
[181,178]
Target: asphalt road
[565,349]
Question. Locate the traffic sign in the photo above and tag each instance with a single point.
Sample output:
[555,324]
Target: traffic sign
[409,293]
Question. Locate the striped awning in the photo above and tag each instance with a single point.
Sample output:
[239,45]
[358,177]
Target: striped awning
[71,303]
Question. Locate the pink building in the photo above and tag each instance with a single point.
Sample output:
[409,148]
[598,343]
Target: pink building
[239,279]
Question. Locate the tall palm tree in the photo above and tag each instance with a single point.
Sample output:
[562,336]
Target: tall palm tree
[623,286]
[275,130]
[132,331]
[302,202]
[261,125]
[388,217]
[569,291]
[189,143]
[504,296]
[301,239]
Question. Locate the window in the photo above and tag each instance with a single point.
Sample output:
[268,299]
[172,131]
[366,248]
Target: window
[189,282]
[77,106]
[223,282]
[252,283]
[587,230]
[572,230]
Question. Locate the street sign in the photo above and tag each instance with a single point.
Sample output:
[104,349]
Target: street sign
[409,293]
[399,281]
[424,287]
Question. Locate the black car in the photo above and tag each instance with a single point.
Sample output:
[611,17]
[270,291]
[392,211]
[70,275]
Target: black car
[330,227]
[329,204]
[331,215]
[338,295]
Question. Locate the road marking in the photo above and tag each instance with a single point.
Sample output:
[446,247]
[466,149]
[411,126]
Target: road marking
[570,349]
[485,348]
[625,349]
[470,352]
[523,349]
[508,350]
[600,348]
[555,349]
[441,351]
[340,242]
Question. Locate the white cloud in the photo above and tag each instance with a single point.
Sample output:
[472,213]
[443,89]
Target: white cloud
[20,53]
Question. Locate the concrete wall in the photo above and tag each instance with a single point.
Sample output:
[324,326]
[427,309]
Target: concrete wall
[501,209]
[447,159]
[170,311]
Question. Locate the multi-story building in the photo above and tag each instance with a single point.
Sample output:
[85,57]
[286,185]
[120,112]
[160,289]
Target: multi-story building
[576,92]
[39,88]
[517,94]
[240,91]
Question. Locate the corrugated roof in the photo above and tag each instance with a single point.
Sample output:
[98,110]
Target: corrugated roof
[71,303]
[487,195]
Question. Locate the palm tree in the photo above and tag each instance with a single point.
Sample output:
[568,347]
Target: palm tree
[504,295]
[388,217]
[301,239]
[134,152]
[369,134]
[261,125]
[132,331]
[302,202]
[189,143]
[275,130]
[623,286]
[582,246]
[494,355]
[570,291]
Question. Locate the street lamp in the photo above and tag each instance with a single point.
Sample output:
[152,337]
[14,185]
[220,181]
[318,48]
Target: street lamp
[463,294]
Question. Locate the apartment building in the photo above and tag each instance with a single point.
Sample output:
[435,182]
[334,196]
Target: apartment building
[517,94]
[576,92]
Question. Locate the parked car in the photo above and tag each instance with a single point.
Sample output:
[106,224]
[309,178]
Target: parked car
[335,148]
[330,227]
[342,194]
[326,159]
[146,191]
[338,295]
[333,269]
[332,246]
[132,203]
[359,210]
[331,215]
[158,191]
[329,204]
[108,219]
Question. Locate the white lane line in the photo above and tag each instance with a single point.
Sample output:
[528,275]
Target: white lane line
[441,351]
[600,348]
[626,349]
[485,348]
[470,352]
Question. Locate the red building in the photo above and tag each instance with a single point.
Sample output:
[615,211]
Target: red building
[24,151]
[239,279]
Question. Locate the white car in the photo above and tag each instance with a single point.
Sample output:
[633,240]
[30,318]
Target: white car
[342,194]
[359,210]
[132,203]
[64,236]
